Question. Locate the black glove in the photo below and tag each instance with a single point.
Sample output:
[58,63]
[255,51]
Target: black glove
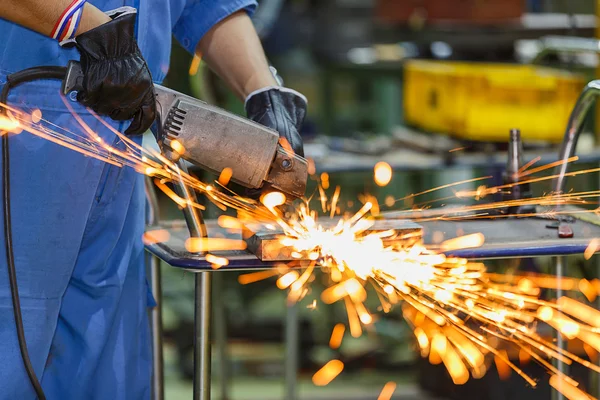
[117,81]
[280,109]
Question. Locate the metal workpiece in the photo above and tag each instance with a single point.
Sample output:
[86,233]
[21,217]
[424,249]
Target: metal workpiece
[202,296]
[582,107]
[214,139]
[266,245]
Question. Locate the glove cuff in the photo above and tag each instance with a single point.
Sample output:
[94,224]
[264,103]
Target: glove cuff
[278,88]
[111,40]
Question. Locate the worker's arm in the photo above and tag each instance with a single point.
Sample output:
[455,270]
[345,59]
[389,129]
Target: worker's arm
[233,50]
[41,15]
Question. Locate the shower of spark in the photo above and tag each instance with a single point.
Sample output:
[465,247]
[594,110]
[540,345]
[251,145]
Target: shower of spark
[461,315]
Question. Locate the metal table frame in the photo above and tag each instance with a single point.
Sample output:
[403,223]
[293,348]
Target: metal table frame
[203,306]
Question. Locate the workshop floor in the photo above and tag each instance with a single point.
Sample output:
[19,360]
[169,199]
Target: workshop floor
[363,386]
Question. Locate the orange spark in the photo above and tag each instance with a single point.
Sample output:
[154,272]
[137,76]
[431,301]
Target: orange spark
[422,341]
[592,248]
[588,289]
[463,242]
[256,276]
[388,391]
[328,373]
[389,201]
[273,199]
[194,65]
[217,262]
[336,336]
[503,368]
[548,166]
[177,146]
[382,173]
[156,236]
[311,166]
[454,365]
[439,345]
[9,124]
[524,357]
[580,311]
[227,222]
[225,176]
[198,245]
[568,390]
[529,164]
[36,116]
[350,287]
[353,321]
[286,280]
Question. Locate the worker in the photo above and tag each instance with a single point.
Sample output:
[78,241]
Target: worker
[78,222]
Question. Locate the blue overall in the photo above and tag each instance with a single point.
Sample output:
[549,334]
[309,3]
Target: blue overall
[78,225]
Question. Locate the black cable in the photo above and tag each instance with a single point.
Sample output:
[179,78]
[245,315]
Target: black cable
[13,80]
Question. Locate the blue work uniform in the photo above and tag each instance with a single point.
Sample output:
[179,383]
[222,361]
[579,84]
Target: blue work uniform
[78,225]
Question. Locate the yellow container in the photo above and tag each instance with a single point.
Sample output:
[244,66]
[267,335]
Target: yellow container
[482,102]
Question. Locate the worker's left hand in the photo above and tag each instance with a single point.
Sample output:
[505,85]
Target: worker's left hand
[280,109]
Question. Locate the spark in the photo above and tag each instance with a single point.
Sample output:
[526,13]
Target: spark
[216,261]
[592,248]
[194,65]
[459,312]
[388,391]
[336,336]
[328,373]
[382,173]
[199,245]
[177,146]
[570,391]
[9,124]
[257,276]
[225,176]
[156,236]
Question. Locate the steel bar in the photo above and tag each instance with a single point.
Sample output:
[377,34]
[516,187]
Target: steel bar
[202,298]
[220,332]
[158,379]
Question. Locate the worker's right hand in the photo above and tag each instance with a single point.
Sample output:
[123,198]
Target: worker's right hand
[116,79]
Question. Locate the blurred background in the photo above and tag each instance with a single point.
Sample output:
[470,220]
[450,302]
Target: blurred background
[430,86]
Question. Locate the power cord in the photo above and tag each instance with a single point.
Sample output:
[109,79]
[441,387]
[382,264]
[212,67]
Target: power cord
[13,80]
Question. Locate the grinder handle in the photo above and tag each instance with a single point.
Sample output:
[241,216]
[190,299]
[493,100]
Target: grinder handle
[73,79]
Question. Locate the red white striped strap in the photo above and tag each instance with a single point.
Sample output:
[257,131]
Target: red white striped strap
[65,22]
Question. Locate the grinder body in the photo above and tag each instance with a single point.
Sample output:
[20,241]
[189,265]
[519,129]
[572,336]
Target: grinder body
[215,139]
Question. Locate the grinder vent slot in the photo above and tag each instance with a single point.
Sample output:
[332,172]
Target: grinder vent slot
[175,121]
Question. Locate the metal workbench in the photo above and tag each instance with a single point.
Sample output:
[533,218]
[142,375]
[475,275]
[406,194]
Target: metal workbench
[504,238]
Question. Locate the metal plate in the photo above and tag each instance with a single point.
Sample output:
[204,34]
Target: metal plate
[265,243]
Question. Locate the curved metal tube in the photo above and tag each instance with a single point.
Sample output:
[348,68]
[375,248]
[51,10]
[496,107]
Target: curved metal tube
[580,111]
